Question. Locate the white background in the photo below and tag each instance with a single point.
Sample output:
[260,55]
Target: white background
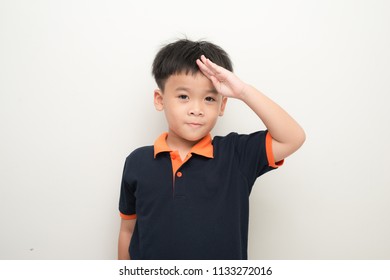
[76,98]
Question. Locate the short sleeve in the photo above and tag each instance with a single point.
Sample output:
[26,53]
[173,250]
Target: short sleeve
[270,153]
[254,152]
[127,199]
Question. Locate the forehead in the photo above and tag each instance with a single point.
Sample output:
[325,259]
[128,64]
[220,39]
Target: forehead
[191,82]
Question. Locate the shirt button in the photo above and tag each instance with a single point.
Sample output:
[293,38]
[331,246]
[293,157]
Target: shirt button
[179,174]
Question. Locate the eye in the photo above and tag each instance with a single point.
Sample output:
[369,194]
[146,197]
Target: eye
[210,99]
[183,97]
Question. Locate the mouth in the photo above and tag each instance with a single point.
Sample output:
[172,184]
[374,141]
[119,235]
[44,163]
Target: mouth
[194,125]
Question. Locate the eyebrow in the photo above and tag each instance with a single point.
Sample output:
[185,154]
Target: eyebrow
[212,90]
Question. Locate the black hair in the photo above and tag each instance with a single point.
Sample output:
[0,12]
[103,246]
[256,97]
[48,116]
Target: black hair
[180,57]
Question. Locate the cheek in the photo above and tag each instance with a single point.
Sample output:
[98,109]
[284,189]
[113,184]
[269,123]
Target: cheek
[172,111]
[212,116]
[214,110]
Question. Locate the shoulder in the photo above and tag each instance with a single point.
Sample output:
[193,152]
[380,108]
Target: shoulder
[140,153]
[227,139]
[241,145]
[234,138]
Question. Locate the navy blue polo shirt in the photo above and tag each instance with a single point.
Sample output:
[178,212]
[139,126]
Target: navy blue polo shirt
[197,208]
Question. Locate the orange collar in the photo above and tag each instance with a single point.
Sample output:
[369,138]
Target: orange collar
[203,148]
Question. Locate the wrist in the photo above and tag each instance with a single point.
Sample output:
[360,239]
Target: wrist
[242,92]
[245,93]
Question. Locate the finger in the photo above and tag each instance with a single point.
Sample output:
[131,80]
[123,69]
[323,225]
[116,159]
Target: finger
[203,58]
[216,83]
[201,66]
[208,62]
[215,68]
[205,70]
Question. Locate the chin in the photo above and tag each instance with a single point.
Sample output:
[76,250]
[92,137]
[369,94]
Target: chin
[195,138]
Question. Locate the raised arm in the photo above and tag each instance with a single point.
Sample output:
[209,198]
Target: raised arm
[287,134]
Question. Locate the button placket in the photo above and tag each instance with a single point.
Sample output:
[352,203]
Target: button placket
[177,164]
[179,184]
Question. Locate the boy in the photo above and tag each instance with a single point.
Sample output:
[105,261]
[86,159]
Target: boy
[187,197]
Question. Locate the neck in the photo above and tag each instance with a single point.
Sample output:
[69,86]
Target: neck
[181,145]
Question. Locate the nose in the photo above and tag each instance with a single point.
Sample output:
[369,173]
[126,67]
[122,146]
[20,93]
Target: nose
[196,109]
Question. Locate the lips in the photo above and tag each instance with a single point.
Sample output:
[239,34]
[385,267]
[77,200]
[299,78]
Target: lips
[194,124]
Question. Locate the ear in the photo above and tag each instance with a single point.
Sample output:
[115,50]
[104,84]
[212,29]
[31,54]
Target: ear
[158,100]
[223,105]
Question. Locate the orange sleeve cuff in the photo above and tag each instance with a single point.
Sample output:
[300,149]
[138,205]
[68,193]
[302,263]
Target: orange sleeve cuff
[270,154]
[128,217]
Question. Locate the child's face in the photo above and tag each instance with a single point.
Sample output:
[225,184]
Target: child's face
[191,105]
